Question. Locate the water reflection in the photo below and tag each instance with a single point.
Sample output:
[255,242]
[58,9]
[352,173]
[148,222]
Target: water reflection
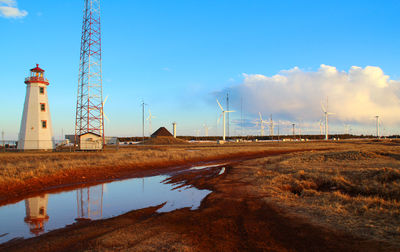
[30,217]
[90,202]
[36,213]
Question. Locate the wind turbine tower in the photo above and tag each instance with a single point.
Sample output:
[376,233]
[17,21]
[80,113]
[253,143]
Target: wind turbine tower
[174,129]
[271,126]
[89,106]
[326,113]
[223,115]
[377,126]
[206,128]
[293,125]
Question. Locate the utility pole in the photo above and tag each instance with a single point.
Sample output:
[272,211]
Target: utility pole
[377,126]
[227,108]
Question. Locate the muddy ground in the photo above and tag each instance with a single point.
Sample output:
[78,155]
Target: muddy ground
[241,214]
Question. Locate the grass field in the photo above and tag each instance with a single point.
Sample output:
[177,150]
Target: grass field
[20,170]
[356,190]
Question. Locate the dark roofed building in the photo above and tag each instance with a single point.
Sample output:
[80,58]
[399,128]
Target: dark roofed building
[161,132]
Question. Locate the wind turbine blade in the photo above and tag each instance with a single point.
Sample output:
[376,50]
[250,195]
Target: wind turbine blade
[219,119]
[105,100]
[329,113]
[219,104]
[230,111]
[104,115]
[260,116]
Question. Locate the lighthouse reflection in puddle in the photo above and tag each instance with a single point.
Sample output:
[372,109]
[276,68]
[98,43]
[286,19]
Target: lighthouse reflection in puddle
[89,203]
[36,213]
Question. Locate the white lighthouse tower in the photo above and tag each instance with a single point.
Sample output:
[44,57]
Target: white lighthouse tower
[36,131]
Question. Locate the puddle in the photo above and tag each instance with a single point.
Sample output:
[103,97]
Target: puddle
[38,215]
[207,166]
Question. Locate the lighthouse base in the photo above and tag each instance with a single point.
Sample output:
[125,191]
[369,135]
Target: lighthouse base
[26,145]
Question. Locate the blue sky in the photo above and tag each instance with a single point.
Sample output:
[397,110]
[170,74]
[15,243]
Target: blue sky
[178,56]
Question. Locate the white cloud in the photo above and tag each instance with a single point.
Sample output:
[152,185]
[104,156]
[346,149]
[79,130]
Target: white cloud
[355,96]
[9,9]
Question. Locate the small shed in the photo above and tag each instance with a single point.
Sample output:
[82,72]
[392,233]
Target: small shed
[161,132]
[90,141]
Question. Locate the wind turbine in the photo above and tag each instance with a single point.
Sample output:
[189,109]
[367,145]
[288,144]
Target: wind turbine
[326,113]
[262,124]
[223,115]
[206,128]
[149,119]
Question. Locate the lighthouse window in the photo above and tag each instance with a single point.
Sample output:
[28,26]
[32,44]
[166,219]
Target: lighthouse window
[41,211]
[41,90]
[44,124]
[42,107]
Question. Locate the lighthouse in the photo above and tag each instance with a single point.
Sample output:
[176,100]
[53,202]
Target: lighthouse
[36,131]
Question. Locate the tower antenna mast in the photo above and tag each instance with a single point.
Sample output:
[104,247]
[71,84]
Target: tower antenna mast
[89,106]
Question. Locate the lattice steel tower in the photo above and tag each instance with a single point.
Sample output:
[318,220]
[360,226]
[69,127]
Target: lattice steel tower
[89,106]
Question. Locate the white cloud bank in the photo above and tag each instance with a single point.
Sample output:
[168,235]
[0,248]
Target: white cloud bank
[355,96]
[9,9]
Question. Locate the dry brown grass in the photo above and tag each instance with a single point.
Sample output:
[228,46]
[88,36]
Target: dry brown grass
[18,167]
[356,189]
